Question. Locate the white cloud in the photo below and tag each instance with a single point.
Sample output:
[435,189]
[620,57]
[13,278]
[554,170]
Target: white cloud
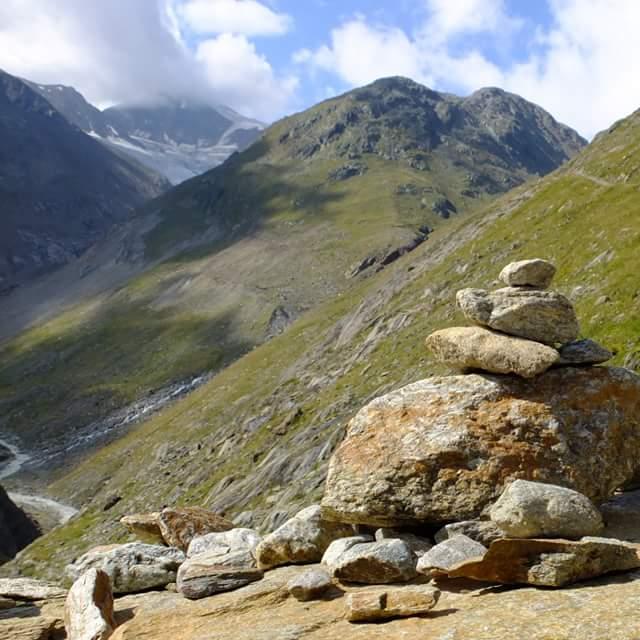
[246,17]
[136,51]
[581,68]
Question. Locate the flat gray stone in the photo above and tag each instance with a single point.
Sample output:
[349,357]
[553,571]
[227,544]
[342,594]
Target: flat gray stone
[309,585]
[583,352]
[528,273]
[535,510]
[418,544]
[338,547]
[482,531]
[224,542]
[450,553]
[28,589]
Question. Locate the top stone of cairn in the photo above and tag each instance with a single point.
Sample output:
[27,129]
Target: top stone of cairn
[528,273]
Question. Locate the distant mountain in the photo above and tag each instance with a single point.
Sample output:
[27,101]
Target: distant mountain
[179,139]
[60,190]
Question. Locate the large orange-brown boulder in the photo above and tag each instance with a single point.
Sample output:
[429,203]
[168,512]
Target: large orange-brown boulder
[180,525]
[443,449]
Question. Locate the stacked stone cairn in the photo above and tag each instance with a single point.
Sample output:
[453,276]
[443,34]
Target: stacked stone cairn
[501,474]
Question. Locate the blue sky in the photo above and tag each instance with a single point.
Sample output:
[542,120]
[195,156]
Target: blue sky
[268,58]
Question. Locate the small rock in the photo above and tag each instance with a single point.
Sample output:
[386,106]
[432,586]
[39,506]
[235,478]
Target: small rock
[88,611]
[480,348]
[417,544]
[302,539]
[528,273]
[549,563]
[382,604]
[449,553]
[209,573]
[532,510]
[145,526]
[309,585]
[180,525]
[224,542]
[29,589]
[131,567]
[583,352]
[337,548]
[383,562]
[482,531]
[542,316]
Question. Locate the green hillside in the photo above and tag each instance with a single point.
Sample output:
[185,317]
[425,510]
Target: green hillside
[256,439]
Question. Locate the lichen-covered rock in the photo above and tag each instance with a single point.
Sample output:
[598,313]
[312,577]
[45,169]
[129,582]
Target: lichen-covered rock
[383,604]
[179,525]
[145,526]
[448,553]
[309,585]
[480,348]
[131,567]
[549,563]
[214,572]
[88,612]
[418,544]
[443,449]
[300,540]
[482,531]
[536,510]
[528,273]
[28,589]
[383,562]
[583,352]
[542,316]
[224,542]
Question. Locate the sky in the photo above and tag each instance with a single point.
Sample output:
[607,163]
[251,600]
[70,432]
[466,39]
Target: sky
[269,58]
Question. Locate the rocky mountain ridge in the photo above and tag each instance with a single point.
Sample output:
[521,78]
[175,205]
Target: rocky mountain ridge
[177,138]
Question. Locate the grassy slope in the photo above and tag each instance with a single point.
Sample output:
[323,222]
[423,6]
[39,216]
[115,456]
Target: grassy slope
[226,445]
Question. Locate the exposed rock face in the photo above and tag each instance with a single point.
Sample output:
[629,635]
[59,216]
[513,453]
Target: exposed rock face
[309,585]
[29,589]
[383,562]
[528,273]
[382,604]
[225,542]
[180,525]
[131,567]
[302,539]
[88,612]
[549,563]
[145,526]
[449,553]
[542,316]
[17,530]
[482,531]
[417,544]
[536,510]
[213,572]
[480,348]
[584,352]
[445,448]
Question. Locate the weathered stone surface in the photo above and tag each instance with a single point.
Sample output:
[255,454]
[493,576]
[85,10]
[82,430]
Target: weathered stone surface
[180,525]
[482,531]
[622,516]
[145,526]
[88,612]
[309,585]
[224,542]
[213,572]
[543,316]
[41,621]
[605,610]
[29,589]
[536,510]
[383,562]
[448,553]
[7,603]
[549,563]
[528,273]
[131,567]
[383,604]
[480,348]
[302,539]
[337,548]
[418,544]
[583,352]
[445,448]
